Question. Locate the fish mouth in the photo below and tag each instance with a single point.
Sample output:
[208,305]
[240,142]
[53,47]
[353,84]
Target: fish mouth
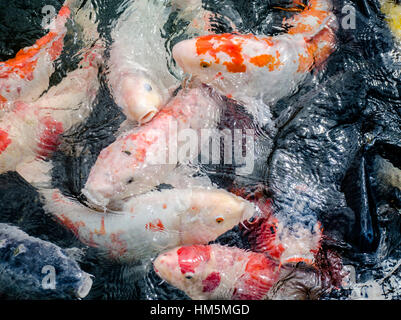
[164,266]
[85,287]
[96,200]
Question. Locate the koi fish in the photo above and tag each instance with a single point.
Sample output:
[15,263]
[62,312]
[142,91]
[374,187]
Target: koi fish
[148,223]
[218,272]
[259,70]
[25,262]
[392,10]
[33,129]
[140,158]
[138,73]
[281,240]
[26,76]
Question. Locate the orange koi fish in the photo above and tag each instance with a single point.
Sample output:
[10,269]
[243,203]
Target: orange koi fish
[33,129]
[26,76]
[259,70]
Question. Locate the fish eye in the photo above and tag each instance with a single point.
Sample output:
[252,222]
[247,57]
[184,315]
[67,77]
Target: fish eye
[130,180]
[219,219]
[189,275]
[148,87]
[205,64]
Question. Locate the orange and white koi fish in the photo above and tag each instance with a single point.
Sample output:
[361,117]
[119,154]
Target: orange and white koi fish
[140,158]
[146,224]
[26,76]
[138,71]
[259,70]
[218,272]
[33,129]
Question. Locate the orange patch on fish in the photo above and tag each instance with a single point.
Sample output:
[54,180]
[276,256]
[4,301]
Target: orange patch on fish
[24,62]
[155,225]
[227,45]
[102,230]
[267,60]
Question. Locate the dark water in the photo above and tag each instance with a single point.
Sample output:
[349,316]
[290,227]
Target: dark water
[328,135]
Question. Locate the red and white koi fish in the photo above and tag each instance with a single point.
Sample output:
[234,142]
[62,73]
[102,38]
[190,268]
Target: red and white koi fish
[281,239]
[33,129]
[140,158]
[26,76]
[286,245]
[138,70]
[259,70]
[218,272]
[146,224]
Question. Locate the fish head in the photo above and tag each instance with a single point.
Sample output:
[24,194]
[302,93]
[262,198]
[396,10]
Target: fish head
[212,213]
[113,175]
[186,268]
[140,98]
[194,58]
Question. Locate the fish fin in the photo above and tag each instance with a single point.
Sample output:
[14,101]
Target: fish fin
[75,253]
[185,176]
[36,171]
[259,110]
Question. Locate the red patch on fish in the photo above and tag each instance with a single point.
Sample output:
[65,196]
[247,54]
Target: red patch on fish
[117,247]
[189,258]
[156,225]
[4,140]
[49,137]
[73,226]
[211,282]
[259,276]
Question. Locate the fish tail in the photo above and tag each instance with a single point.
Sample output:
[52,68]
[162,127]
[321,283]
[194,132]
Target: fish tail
[311,19]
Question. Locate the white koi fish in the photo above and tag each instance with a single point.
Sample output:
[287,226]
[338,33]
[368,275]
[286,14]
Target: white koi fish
[146,224]
[140,158]
[138,72]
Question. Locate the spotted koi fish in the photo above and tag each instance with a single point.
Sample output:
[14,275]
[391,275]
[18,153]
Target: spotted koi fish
[140,159]
[218,272]
[259,70]
[33,129]
[148,223]
[26,76]
[138,73]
